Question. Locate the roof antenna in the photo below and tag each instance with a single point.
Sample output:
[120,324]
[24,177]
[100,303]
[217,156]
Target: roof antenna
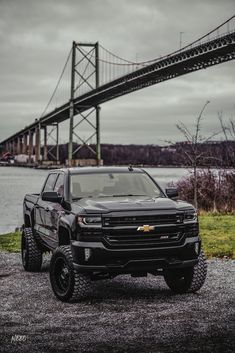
[130,168]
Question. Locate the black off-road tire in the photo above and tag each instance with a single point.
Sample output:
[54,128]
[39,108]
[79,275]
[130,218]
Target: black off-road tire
[187,280]
[30,252]
[67,283]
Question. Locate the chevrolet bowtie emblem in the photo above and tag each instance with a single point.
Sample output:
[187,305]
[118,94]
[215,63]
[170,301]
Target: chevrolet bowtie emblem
[145,228]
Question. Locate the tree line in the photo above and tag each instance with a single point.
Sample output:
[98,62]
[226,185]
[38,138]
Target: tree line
[216,153]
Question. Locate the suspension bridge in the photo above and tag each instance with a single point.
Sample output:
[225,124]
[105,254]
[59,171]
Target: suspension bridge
[96,76]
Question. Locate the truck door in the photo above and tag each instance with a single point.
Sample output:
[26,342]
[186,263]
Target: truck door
[43,211]
[56,210]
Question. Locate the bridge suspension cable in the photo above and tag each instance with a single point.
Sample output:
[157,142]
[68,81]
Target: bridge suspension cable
[128,62]
[57,84]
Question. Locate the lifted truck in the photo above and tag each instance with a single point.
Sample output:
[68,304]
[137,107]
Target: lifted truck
[102,222]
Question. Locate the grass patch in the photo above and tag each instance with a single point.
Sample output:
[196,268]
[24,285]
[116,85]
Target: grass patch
[10,242]
[217,232]
[218,235]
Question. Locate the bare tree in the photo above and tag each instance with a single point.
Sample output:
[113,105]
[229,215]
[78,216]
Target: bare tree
[193,152]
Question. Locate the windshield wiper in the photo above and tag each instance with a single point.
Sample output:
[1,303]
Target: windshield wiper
[81,197]
[120,195]
[115,195]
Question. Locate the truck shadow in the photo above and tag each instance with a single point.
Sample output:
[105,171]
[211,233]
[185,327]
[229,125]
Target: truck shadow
[125,287]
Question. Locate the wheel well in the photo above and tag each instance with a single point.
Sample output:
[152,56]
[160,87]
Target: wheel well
[63,236]
[27,221]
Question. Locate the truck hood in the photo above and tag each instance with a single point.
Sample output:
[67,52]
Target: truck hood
[129,203]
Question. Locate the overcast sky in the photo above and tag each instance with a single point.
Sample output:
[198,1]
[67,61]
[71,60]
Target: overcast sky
[36,36]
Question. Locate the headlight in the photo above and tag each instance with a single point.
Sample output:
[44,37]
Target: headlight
[89,220]
[190,216]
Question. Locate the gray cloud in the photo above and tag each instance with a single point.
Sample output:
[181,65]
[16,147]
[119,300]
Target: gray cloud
[36,37]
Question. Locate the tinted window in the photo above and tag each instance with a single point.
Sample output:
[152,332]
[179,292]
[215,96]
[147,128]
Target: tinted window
[59,185]
[50,182]
[113,184]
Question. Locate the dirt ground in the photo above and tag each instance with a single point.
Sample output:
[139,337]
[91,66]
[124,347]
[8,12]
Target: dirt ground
[125,314]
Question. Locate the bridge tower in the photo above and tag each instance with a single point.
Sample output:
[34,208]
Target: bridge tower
[84,77]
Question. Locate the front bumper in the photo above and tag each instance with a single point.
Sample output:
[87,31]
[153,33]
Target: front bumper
[99,258]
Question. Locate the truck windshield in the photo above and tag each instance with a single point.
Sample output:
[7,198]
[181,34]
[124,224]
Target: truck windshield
[114,184]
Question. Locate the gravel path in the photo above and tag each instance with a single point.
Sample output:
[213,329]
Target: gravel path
[134,315]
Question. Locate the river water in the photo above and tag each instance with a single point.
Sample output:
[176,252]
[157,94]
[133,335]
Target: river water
[15,182]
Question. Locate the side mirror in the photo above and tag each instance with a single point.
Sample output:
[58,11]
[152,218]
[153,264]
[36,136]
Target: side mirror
[171,193]
[51,196]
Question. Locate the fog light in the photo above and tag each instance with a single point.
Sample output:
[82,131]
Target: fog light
[87,254]
[197,247]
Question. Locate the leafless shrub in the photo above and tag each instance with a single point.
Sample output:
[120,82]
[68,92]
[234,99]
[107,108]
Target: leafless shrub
[228,130]
[215,190]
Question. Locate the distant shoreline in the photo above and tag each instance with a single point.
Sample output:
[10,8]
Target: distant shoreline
[46,167]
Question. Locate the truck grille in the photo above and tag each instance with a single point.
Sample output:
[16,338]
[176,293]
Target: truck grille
[122,231]
[174,218]
[143,240]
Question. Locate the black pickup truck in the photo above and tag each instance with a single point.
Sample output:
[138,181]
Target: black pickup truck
[101,222]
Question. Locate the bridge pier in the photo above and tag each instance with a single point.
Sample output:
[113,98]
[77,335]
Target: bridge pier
[10,146]
[98,149]
[24,147]
[71,105]
[37,145]
[57,143]
[15,146]
[19,145]
[30,150]
[45,148]
[53,150]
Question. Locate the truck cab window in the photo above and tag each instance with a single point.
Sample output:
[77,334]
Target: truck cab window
[59,185]
[50,182]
